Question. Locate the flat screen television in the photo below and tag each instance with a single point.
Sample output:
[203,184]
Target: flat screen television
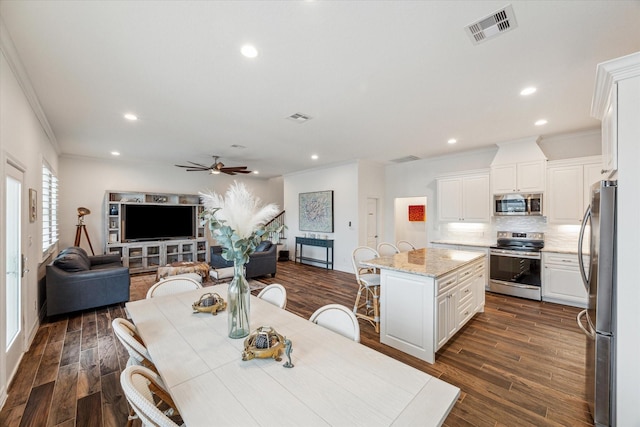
[157,222]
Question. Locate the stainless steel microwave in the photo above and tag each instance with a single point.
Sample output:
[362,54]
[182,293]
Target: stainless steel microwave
[517,204]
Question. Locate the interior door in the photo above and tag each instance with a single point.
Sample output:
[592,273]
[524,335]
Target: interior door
[13,317]
[372,222]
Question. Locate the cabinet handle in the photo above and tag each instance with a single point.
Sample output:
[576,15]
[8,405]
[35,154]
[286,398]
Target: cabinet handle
[466,312]
[466,291]
[603,171]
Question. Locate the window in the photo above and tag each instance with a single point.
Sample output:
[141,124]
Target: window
[49,209]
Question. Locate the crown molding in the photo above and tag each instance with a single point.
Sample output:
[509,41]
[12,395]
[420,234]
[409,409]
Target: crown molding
[609,73]
[13,59]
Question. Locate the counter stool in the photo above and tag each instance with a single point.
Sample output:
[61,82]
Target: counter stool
[368,283]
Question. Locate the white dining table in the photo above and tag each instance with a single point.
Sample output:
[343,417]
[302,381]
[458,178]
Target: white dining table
[335,381]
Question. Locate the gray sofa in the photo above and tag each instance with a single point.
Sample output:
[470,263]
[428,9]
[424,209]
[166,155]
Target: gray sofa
[76,281]
[262,262]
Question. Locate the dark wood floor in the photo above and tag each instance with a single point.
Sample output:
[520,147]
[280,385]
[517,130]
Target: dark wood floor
[521,363]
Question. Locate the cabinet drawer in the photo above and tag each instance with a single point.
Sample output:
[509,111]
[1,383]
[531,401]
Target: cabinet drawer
[447,282]
[465,294]
[562,259]
[465,312]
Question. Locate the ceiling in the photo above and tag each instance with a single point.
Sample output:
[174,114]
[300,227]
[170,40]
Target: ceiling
[381,80]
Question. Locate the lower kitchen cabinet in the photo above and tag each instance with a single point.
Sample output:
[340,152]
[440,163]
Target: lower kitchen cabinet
[561,282]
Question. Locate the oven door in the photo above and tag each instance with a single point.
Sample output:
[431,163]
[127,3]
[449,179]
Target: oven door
[516,274]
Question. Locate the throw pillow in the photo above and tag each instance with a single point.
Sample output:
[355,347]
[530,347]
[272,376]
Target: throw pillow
[72,261]
[263,246]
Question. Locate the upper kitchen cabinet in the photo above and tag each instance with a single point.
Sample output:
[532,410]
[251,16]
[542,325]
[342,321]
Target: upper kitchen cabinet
[464,198]
[523,177]
[615,98]
[519,167]
[568,188]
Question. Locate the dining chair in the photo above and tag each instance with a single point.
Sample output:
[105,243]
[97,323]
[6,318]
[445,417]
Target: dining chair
[173,285]
[387,249]
[127,334]
[339,319]
[368,283]
[140,385]
[274,293]
[405,246]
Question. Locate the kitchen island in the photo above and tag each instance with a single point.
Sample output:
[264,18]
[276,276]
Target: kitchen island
[426,296]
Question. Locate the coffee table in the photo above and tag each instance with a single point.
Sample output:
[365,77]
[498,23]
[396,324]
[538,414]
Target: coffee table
[182,267]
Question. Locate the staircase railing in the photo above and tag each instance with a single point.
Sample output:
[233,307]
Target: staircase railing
[278,223]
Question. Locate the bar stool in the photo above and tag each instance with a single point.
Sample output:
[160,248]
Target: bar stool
[368,283]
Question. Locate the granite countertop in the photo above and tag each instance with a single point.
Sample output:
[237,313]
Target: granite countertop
[481,243]
[431,262]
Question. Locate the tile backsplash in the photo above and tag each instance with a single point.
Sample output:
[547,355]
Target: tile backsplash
[556,235]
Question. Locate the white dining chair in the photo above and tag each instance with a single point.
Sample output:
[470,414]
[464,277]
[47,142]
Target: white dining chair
[405,246]
[173,285]
[127,334]
[274,293]
[368,284]
[387,249]
[339,319]
[140,385]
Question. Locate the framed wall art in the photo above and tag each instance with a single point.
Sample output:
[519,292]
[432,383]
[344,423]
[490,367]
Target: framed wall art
[33,205]
[316,211]
[417,213]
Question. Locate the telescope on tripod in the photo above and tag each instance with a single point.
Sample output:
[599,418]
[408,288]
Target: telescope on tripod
[80,226]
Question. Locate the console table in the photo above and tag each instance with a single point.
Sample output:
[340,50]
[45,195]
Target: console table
[323,243]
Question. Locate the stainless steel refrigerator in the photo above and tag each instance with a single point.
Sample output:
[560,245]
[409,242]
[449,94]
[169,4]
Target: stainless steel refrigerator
[598,322]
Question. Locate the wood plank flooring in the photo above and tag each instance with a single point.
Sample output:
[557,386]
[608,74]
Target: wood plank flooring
[520,363]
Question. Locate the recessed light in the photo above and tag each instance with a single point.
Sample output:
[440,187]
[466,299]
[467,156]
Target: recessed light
[115,153]
[131,117]
[314,156]
[256,172]
[452,141]
[528,91]
[249,51]
[541,122]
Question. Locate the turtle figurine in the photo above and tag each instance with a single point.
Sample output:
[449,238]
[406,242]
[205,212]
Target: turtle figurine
[264,343]
[209,303]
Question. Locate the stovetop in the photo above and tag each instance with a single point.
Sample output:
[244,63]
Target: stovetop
[518,241]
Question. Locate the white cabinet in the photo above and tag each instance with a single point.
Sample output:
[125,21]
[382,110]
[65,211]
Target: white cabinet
[561,282]
[610,134]
[568,188]
[523,177]
[419,314]
[464,198]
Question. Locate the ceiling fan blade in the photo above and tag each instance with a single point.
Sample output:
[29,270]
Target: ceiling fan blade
[228,172]
[197,170]
[190,166]
[241,171]
[198,164]
[235,168]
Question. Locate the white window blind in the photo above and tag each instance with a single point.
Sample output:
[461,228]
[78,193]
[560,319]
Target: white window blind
[49,209]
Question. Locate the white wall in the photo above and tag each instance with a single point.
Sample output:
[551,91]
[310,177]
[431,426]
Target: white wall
[411,231]
[24,142]
[343,181]
[371,176]
[84,181]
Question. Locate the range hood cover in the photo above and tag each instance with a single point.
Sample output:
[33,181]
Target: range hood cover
[522,150]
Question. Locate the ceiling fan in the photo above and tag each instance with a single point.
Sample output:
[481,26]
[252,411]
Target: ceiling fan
[215,168]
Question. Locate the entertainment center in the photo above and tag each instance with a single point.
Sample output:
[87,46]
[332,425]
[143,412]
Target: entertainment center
[149,230]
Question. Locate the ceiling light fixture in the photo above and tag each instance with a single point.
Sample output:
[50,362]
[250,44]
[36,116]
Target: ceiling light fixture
[115,153]
[249,51]
[528,91]
[314,157]
[256,172]
[131,117]
[452,141]
[541,122]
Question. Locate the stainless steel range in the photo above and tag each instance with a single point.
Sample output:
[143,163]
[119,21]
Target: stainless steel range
[515,265]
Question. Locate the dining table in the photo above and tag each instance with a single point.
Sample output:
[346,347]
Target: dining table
[335,381]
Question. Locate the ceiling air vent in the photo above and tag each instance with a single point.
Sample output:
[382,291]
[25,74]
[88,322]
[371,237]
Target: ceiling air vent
[299,117]
[493,25]
[405,159]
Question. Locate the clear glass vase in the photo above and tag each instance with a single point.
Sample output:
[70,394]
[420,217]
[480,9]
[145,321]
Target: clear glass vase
[238,302]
